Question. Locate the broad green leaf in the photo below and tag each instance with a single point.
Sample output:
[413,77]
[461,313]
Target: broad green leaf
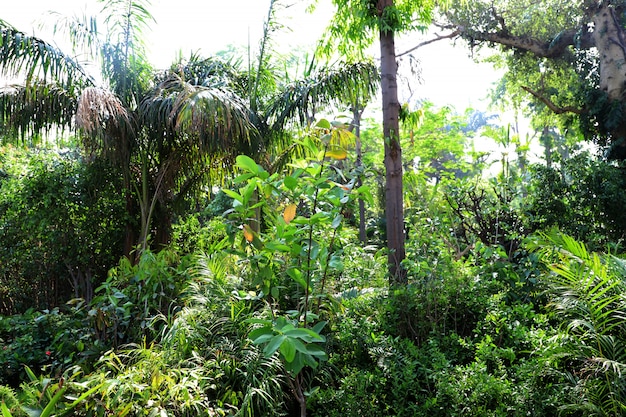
[247,164]
[288,349]
[274,344]
[296,366]
[261,331]
[277,247]
[323,124]
[243,177]
[315,350]
[290,182]
[264,338]
[296,275]
[233,195]
[300,347]
[305,334]
[319,327]
[336,221]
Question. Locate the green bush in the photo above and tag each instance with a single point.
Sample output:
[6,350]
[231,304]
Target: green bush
[61,228]
[49,341]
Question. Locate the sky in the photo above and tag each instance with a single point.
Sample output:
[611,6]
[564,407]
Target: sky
[448,75]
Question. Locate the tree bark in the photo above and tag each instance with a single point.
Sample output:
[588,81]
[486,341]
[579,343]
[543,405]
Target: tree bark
[393,154]
[608,36]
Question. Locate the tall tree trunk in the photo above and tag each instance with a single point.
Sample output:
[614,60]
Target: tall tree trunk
[393,154]
[357,112]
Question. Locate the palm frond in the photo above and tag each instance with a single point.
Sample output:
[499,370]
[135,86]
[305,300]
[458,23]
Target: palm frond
[587,293]
[109,126]
[82,31]
[216,117]
[34,109]
[22,55]
[341,84]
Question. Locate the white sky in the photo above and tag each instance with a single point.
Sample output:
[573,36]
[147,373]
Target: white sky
[207,26]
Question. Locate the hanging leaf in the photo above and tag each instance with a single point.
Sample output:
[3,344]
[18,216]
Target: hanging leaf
[248,233]
[290,213]
[337,154]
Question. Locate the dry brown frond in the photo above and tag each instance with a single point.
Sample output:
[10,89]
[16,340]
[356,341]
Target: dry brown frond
[98,107]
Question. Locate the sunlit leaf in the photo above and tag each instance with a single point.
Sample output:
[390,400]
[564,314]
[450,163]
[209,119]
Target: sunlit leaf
[290,213]
[248,233]
[323,124]
[337,154]
[247,164]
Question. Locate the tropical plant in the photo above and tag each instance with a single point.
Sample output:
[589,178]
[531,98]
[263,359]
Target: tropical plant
[295,252]
[587,298]
[45,397]
[166,132]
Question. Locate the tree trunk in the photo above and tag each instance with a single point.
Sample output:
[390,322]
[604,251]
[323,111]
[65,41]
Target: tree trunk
[357,112]
[393,154]
[608,36]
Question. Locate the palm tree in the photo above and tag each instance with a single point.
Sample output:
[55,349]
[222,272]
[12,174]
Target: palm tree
[167,131]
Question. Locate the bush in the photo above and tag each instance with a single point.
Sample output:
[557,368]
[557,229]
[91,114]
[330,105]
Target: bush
[61,229]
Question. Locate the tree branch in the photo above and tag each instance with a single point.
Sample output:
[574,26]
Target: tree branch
[556,109]
[557,47]
[438,38]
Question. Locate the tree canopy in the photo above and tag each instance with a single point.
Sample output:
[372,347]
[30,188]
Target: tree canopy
[566,57]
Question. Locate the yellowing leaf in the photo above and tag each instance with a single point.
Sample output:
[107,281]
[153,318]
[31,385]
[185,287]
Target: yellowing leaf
[247,233]
[290,213]
[337,153]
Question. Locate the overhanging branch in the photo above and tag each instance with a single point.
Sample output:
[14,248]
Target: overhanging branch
[428,42]
[556,109]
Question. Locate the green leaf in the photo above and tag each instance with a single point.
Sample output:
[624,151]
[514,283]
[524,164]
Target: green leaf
[233,195]
[323,124]
[315,350]
[296,365]
[247,164]
[277,247]
[336,221]
[288,349]
[274,344]
[319,327]
[296,275]
[5,410]
[49,408]
[305,334]
[255,334]
[290,182]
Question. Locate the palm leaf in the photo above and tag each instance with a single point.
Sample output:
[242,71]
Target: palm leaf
[342,84]
[34,58]
[28,110]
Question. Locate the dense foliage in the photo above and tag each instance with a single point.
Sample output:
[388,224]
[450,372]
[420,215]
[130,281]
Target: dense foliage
[267,301]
